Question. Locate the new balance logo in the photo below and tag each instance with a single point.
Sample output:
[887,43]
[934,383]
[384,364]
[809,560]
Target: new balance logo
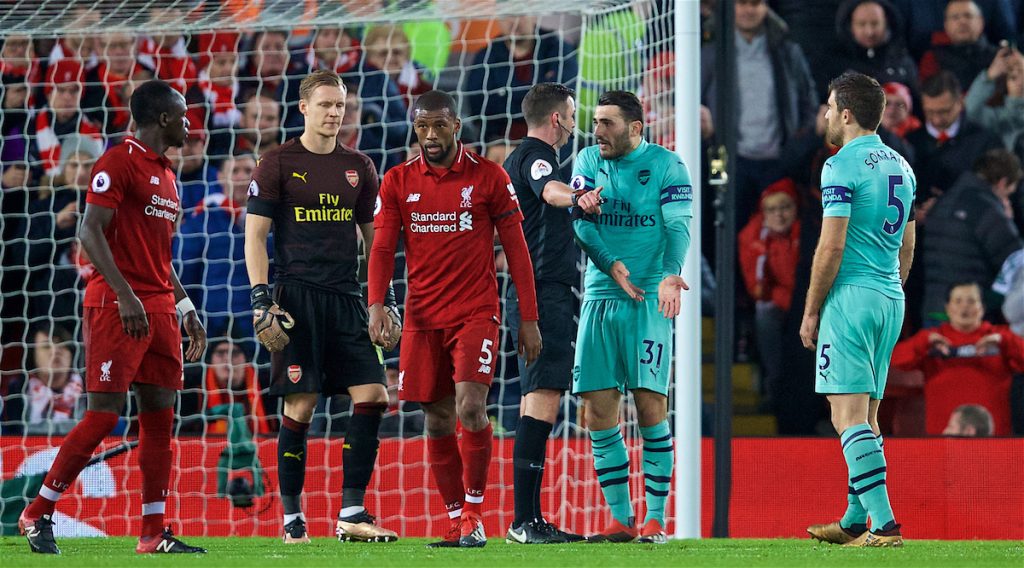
[466,221]
[105,371]
[301,176]
[164,546]
[297,456]
[413,198]
[31,531]
[154,180]
[485,369]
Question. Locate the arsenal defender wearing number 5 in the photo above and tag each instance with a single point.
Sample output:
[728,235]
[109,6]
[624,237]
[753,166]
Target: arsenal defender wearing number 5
[131,332]
[447,203]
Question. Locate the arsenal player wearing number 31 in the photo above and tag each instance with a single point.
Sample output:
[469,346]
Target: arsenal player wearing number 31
[131,332]
[447,203]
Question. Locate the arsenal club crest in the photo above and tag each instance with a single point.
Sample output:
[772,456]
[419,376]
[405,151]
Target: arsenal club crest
[643,176]
[353,177]
[294,373]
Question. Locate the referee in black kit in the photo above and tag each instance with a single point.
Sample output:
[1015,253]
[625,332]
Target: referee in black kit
[550,113]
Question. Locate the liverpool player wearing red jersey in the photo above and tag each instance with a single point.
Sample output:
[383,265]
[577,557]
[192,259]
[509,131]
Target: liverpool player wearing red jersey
[131,331]
[315,192]
[447,203]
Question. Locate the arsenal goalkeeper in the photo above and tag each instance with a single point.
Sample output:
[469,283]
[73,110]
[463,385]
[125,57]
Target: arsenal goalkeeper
[315,192]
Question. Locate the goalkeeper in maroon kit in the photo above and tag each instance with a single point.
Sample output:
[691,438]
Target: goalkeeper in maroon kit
[447,203]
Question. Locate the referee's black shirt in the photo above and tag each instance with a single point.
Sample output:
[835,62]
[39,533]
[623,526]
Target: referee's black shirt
[548,229]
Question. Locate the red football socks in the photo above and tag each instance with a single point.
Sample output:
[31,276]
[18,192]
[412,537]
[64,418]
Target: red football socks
[446,465]
[155,462]
[74,454]
[476,458]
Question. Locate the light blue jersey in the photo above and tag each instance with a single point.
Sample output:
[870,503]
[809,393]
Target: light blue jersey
[874,186]
[645,222]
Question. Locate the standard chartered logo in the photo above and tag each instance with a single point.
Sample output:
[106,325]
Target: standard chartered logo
[441,222]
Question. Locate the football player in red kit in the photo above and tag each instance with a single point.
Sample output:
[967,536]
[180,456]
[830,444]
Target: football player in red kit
[132,337]
[447,203]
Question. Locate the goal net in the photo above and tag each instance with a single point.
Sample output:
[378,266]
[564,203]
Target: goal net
[68,72]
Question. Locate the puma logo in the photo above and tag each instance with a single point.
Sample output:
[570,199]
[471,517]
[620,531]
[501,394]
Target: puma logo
[297,456]
[301,176]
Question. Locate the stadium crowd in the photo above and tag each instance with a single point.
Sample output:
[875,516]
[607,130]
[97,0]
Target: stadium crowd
[952,73]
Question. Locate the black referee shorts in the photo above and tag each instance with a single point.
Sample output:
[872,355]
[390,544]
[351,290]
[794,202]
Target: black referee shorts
[557,306]
[330,348]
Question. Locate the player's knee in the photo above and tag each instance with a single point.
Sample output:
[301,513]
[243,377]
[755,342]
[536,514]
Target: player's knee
[542,404]
[472,412]
[373,394]
[300,408]
[107,402]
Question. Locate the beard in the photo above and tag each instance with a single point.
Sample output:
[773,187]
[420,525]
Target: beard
[834,135]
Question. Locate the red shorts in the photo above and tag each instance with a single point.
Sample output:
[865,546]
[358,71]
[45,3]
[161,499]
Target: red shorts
[432,361]
[113,361]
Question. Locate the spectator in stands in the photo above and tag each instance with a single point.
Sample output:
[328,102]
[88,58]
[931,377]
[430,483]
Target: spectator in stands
[501,75]
[970,421]
[17,57]
[106,95]
[961,49]
[195,171]
[362,128]
[333,48]
[270,72]
[996,98]
[1010,284]
[898,116]
[387,48]
[62,115]
[659,102]
[871,43]
[218,80]
[14,117]
[210,253]
[78,42]
[232,379]
[166,54]
[776,99]
[769,248]
[52,228]
[949,143]
[54,387]
[925,19]
[969,233]
[259,128]
[964,361]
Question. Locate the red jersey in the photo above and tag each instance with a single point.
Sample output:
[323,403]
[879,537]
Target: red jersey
[139,185]
[448,218]
[965,376]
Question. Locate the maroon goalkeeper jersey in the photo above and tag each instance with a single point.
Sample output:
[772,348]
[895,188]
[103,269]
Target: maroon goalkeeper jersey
[447,218]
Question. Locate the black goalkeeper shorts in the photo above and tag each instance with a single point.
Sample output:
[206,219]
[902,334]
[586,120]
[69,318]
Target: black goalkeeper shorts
[329,348]
[557,306]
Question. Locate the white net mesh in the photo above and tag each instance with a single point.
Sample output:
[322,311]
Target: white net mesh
[239,64]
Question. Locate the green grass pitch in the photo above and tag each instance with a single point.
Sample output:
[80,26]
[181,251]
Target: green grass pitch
[254,552]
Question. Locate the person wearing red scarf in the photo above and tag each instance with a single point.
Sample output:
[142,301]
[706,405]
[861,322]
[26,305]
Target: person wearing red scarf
[898,116]
[218,64]
[230,378]
[105,99]
[62,115]
[769,249]
[964,361]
